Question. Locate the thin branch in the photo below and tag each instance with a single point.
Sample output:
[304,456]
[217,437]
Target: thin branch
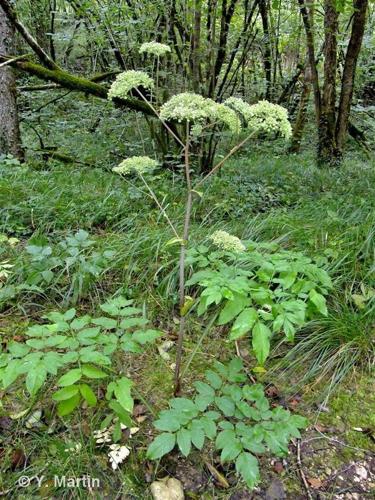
[161,208]
[14,59]
[221,163]
[26,35]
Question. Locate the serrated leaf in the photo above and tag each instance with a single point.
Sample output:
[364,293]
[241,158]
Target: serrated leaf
[203,401]
[107,323]
[146,336]
[35,378]
[123,393]
[225,438]
[91,371]
[184,441]
[88,394]
[232,308]
[214,379]
[209,427]
[204,389]
[162,444]
[231,451]
[261,341]
[247,466]
[226,405]
[65,393]
[197,434]
[243,323]
[121,413]
[319,301]
[168,421]
[70,377]
[68,405]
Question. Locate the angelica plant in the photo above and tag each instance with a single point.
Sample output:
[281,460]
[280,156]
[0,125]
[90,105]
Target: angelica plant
[196,112]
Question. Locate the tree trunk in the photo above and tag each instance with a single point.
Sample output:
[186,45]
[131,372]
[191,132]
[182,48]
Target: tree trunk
[267,55]
[10,141]
[347,83]
[308,24]
[300,122]
[327,122]
[196,46]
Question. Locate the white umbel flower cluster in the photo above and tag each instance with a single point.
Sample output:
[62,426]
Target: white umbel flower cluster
[270,119]
[263,116]
[241,107]
[136,165]
[127,81]
[155,48]
[226,241]
[199,110]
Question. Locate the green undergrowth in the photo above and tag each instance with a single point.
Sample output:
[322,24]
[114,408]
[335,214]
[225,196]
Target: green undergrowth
[326,214]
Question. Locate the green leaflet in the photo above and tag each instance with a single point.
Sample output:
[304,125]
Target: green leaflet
[261,342]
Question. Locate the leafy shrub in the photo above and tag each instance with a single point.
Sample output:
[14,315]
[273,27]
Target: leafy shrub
[81,350]
[264,290]
[68,269]
[237,418]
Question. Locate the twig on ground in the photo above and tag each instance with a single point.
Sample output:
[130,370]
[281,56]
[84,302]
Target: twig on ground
[300,470]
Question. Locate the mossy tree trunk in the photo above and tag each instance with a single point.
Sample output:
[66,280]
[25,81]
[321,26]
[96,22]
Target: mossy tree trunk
[10,142]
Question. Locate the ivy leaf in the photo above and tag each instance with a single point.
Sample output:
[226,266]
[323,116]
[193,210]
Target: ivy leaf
[261,342]
[247,466]
[161,445]
[184,441]
[243,323]
[70,378]
[68,405]
[88,394]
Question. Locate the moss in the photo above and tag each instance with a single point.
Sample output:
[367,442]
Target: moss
[81,84]
[353,407]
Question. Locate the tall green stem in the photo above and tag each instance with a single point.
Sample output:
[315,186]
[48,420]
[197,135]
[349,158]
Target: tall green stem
[188,206]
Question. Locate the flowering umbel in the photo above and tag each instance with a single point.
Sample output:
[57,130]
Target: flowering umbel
[241,107]
[262,117]
[127,81]
[269,118]
[136,165]
[226,241]
[155,48]
[199,110]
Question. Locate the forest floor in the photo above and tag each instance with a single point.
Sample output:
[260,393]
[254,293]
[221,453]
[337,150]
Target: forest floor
[260,196]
